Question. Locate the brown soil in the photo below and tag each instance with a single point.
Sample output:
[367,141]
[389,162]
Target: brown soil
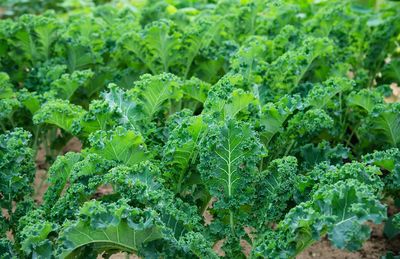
[73,145]
[375,247]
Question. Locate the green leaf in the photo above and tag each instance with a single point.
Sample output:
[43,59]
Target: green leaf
[365,99]
[227,161]
[69,83]
[238,102]
[275,189]
[339,210]
[124,104]
[391,71]
[122,145]
[182,148]
[59,174]
[388,160]
[196,89]
[27,44]
[99,117]
[104,228]
[16,166]
[80,57]
[273,115]
[321,94]
[46,32]
[162,42]
[387,121]
[60,113]
[154,91]
[392,226]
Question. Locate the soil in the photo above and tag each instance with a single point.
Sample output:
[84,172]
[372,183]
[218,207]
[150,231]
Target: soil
[375,247]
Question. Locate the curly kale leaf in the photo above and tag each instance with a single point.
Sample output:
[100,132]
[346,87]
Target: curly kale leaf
[389,161]
[16,166]
[34,233]
[275,189]
[273,116]
[67,84]
[59,175]
[326,174]
[154,91]
[287,71]
[365,99]
[98,117]
[229,154]
[228,158]
[156,45]
[119,144]
[339,210]
[321,94]
[323,151]
[392,226]
[123,104]
[60,113]
[228,103]
[6,249]
[386,120]
[108,228]
[182,148]
[148,96]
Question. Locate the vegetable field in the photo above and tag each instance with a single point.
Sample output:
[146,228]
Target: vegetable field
[202,129]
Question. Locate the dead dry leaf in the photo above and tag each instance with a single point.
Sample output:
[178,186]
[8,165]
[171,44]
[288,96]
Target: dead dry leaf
[395,97]
[218,248]
[207,216]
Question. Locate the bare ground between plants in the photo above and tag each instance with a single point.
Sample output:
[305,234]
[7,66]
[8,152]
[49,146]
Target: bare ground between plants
[376,247]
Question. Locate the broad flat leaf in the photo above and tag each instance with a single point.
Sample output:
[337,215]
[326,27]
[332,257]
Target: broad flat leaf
[122,145]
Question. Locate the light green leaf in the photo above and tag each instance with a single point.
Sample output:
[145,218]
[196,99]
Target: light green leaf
[109,228]
[122,145]
[60,113]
